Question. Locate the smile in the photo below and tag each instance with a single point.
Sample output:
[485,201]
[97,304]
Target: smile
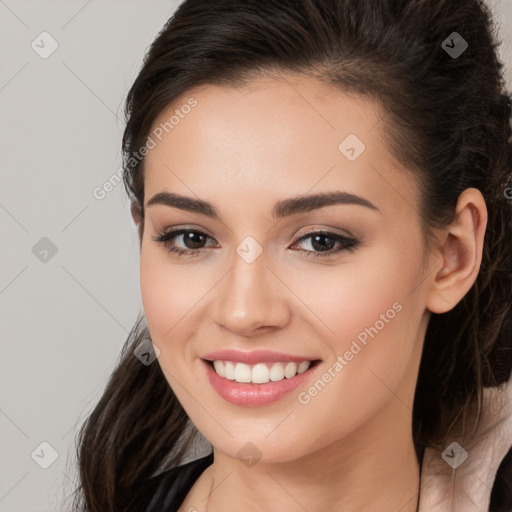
[259,373]
[258,383]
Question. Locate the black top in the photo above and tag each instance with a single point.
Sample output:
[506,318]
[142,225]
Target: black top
[167,491]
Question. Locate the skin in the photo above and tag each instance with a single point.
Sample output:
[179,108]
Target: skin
[243,149]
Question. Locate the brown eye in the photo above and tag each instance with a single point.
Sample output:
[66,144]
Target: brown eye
[324,243]
[192,240]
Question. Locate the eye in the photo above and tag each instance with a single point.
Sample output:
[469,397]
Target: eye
[191,238]
[321,243]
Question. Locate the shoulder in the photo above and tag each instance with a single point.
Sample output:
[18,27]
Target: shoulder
[167,491]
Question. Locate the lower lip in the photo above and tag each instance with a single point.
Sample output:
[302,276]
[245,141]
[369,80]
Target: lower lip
[253,395]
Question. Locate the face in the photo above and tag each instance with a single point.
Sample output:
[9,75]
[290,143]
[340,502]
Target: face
[269,282]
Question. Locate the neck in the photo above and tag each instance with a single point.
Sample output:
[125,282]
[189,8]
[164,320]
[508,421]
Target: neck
[374,468]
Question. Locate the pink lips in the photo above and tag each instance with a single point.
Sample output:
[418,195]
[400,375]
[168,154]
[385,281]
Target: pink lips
[254,356]
[249,394]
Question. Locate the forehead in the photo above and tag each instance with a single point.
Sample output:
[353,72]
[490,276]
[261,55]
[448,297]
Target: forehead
[270,138]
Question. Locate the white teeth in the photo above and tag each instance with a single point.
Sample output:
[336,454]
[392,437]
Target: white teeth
[303,367]
[243,372]
[277,372]
[219,368]
[290,370]
[260,373]
[229,369]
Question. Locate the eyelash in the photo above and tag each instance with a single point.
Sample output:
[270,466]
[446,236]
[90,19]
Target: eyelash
[347,243]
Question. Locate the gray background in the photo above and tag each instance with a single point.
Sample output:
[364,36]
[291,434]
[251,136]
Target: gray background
[65,316]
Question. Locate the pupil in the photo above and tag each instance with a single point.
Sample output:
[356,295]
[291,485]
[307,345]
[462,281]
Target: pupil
[322,246]
[191,243]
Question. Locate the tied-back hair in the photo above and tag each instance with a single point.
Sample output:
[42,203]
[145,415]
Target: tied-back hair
[447,119]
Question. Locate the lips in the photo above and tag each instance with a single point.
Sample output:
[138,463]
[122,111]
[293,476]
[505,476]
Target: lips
[257,377]
[255,356]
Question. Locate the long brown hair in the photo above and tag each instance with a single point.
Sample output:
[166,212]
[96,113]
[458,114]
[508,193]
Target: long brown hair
[447,119]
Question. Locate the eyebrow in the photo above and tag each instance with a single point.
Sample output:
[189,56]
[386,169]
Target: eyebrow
[283,208]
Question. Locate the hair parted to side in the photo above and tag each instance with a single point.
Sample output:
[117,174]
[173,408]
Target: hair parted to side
[447,120]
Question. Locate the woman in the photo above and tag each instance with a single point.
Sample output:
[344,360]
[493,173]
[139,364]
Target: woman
[319,189]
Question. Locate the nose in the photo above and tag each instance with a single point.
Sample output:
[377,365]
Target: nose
[251,299]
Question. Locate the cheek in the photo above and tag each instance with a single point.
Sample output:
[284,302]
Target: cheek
[156,299]
[374,348]
[166,295]
[366,290]
[368,313]
[174,298]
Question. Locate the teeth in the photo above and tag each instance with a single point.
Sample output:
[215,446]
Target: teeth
[277,372]
[303,366]
[290,370]
[242,372]
[260,373]
[219,368]
[229,369]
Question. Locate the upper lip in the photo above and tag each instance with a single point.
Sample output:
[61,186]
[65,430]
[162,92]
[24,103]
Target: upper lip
[253,356]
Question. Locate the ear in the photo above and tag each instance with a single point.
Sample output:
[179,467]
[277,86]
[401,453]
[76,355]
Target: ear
[136,212]
[459,253]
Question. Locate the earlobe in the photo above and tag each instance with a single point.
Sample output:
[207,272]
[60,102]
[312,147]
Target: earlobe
[460,253]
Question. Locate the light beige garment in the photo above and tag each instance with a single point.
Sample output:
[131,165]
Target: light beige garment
[451,482]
